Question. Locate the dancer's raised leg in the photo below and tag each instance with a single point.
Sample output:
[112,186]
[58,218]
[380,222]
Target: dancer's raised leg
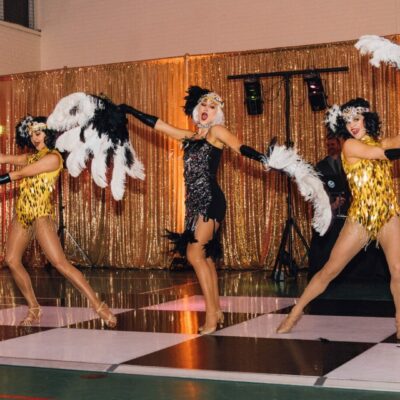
[351,240]
[389,237]
[48,240]
[17,242]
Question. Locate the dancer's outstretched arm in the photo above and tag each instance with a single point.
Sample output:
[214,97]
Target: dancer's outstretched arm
[21,159]
[158,124]
[228,139]
[48,163]
[354,150]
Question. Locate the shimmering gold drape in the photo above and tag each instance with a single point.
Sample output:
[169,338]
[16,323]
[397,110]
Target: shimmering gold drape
[129,233]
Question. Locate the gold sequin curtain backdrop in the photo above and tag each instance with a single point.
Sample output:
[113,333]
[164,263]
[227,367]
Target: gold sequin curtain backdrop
[129,233]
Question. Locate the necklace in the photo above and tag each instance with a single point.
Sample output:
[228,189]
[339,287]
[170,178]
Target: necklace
[203,126]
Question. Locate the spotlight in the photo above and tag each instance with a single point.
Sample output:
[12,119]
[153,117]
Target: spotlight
[316,92]
[253,96]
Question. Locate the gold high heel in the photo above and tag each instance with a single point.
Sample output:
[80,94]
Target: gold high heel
[111,320]
[288,323]
[203,330]
[34,314]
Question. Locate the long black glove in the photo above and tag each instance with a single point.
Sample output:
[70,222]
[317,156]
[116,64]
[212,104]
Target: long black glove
[392,154]
[147,119]
[249,152]
[5,179]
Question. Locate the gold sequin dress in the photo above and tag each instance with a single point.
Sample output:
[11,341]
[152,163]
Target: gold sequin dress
[34,198]
[371,184]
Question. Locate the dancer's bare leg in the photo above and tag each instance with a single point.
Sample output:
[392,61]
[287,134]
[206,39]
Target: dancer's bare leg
[213,271]
[389,237]
[351,240]
[46,235]
[17,242]
[205,270]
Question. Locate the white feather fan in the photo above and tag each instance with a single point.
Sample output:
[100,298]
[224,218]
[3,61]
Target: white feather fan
[308,182]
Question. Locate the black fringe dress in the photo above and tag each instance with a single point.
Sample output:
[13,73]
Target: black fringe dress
[204,197]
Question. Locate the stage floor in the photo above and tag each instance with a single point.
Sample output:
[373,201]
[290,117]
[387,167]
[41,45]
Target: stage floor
[346,339]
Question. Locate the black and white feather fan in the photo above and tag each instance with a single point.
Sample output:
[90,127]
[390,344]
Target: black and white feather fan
[93,126]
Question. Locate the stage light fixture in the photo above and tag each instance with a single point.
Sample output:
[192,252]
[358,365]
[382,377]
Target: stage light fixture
[316,92]
[253,96]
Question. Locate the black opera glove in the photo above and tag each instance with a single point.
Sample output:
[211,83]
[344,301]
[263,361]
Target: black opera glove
[392,154]
[147,119]
[5,179]
[249,152]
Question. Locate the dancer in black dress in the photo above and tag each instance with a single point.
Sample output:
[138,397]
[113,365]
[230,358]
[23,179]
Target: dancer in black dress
[205,201]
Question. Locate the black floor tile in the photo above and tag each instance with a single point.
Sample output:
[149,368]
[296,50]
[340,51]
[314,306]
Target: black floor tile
[11,332]
[255,355]
[357,308]
[187,322]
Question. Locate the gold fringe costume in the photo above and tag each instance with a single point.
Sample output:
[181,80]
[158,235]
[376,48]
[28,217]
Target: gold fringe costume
[34,198]
[374,201]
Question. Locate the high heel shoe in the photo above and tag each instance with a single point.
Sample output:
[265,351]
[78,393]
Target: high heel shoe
[34,314]
[288,323]
[220,321]
[398,329]
[204,330]
[110,320]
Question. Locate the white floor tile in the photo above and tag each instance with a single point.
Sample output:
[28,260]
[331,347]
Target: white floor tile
[239,304]
[78,366]
[314,327]
[88,346]
[53,317]
[380,363]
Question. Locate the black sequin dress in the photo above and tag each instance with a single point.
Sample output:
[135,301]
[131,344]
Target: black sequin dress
[204,197]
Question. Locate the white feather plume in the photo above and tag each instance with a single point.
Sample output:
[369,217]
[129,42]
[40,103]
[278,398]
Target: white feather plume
[78,157]
[137,169]
[308,182]
[82,106]
[118,174]
[99,166]
[381,49]
[69,140]
[331,117]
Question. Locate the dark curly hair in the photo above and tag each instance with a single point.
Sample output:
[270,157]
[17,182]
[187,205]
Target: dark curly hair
[23,139]
[372,122]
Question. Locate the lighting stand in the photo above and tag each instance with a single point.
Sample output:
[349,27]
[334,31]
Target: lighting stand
[285,265]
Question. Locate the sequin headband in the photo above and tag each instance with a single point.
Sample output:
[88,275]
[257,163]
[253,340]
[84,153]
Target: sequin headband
[212,96]
[350,112]
[36,126]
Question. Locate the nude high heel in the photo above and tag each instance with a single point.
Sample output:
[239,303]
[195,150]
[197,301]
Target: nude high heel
[204,330]
[111,319]
[34,314]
